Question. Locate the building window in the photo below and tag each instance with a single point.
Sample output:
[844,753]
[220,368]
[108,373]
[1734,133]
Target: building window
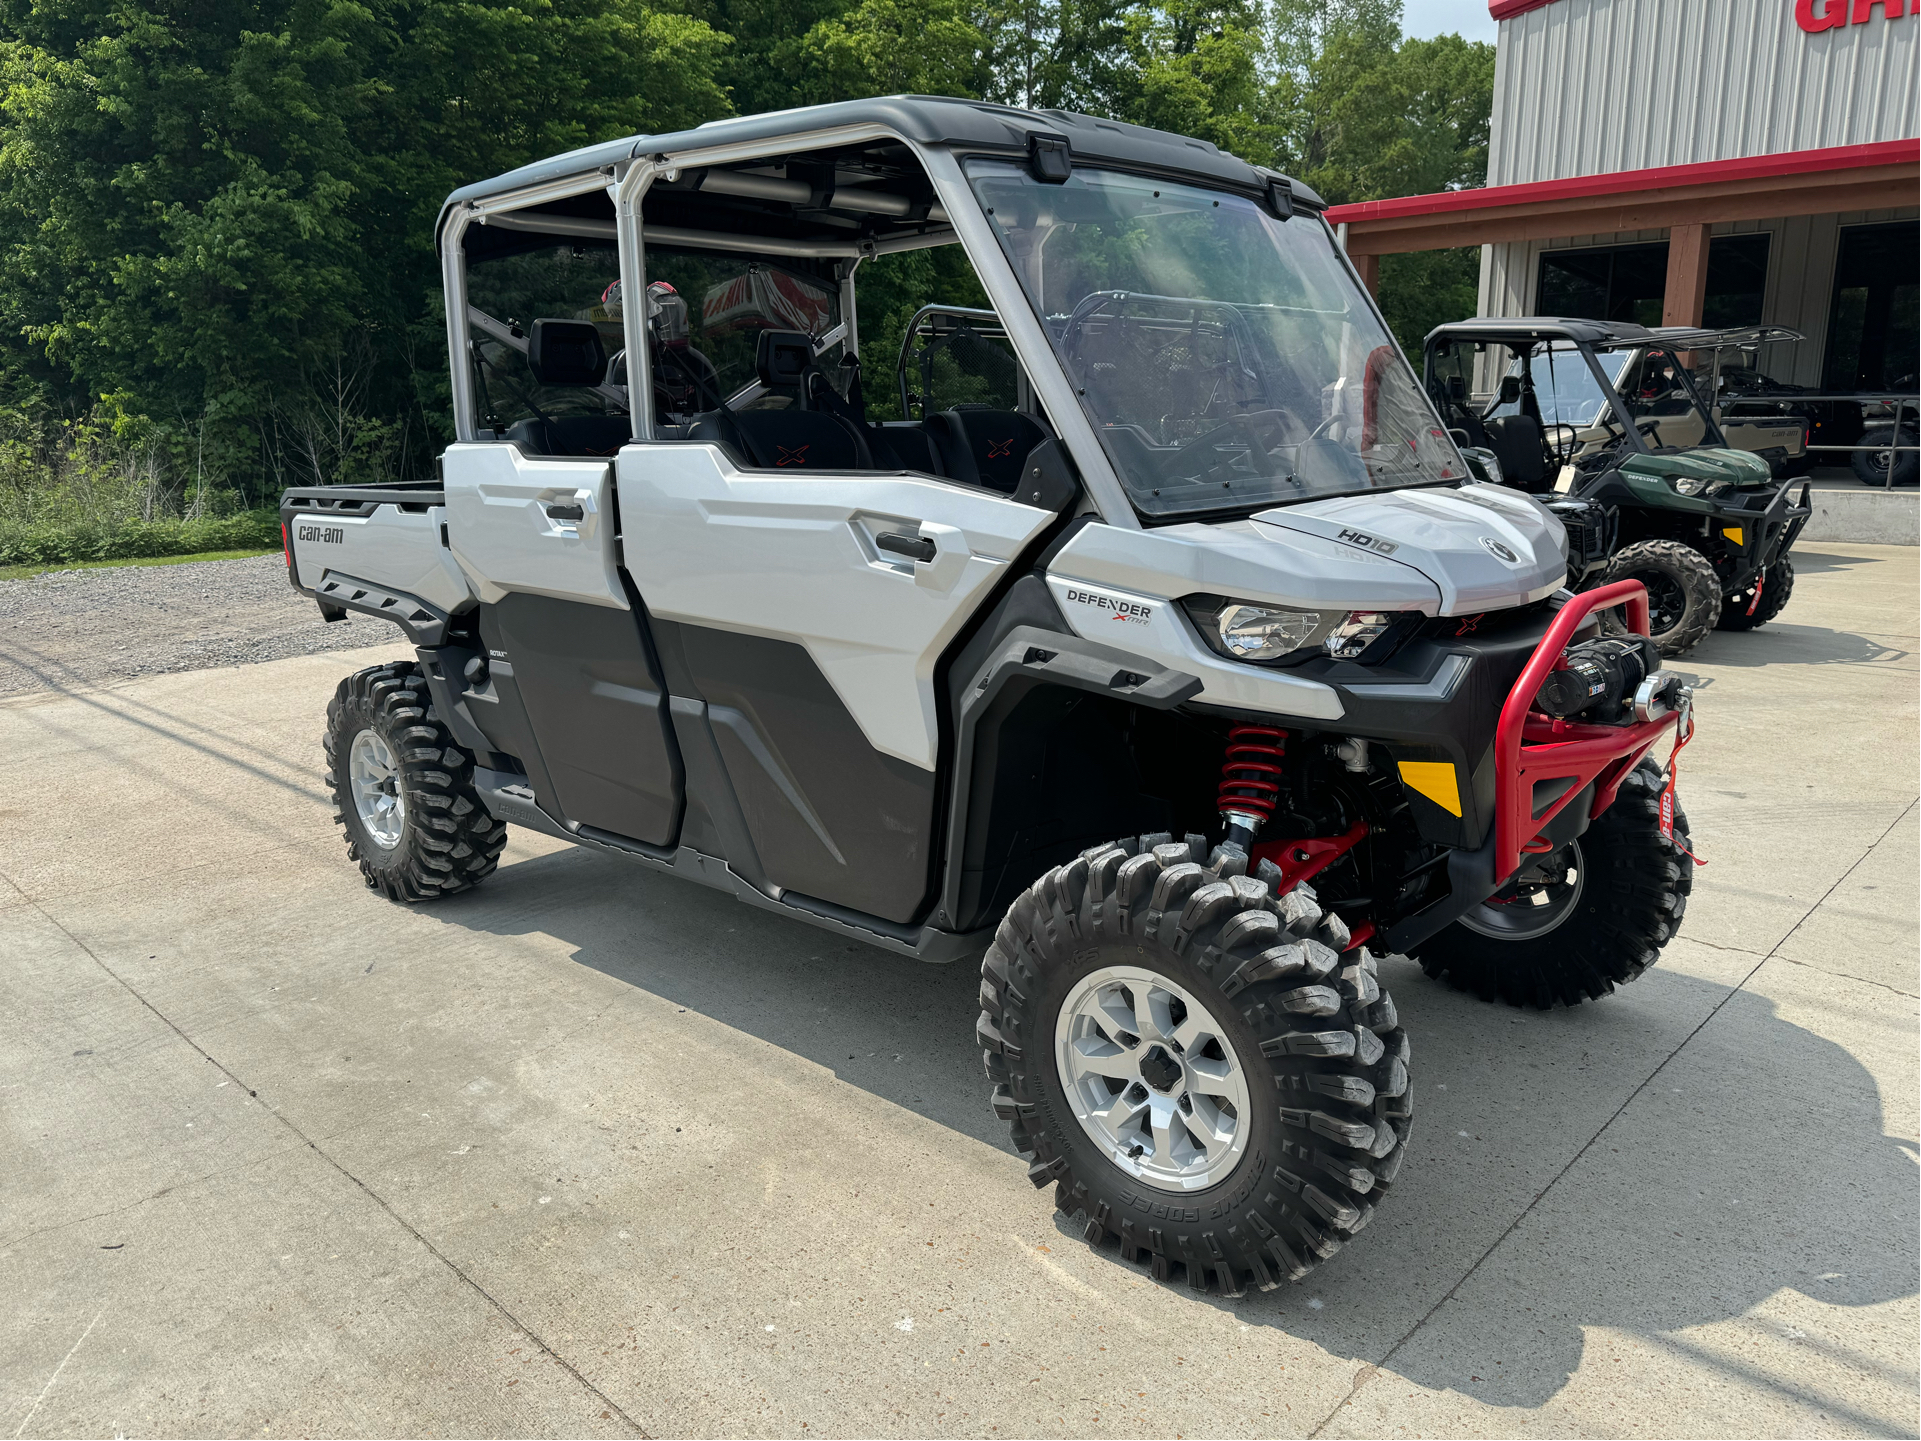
[1629,282]
[1872,318]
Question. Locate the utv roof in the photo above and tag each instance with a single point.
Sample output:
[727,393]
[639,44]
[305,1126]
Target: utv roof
[1607,334]
[928,120]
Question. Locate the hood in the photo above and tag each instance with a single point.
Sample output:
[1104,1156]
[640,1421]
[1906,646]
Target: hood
[1710,463]
[1484,547]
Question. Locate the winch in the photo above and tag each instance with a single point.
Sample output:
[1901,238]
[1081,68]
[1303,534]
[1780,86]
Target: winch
[1610,681]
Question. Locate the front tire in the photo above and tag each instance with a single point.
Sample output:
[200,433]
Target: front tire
[1573,925]
[1776,586]
[1193,1065]
[1684,593]
[403,791]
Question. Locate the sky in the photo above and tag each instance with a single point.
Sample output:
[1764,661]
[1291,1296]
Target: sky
[1467,18]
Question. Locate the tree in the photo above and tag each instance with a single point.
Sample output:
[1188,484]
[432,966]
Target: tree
[208,210]
[893,47]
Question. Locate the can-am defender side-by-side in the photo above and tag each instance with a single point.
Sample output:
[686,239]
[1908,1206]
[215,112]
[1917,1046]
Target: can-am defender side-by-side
[1607,424]
[1162,648]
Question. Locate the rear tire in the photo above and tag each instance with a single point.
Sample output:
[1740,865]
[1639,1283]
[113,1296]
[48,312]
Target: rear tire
[1629,900]
[1871,466]
[1218,978]
[1684,593]
[1776,586]
[403,791]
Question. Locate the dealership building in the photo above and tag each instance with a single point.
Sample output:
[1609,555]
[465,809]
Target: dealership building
[1697,162]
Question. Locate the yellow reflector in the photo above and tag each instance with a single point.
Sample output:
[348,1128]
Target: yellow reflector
[1734,533]
[1435,780]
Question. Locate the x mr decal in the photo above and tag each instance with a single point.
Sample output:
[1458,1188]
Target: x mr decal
[796,456]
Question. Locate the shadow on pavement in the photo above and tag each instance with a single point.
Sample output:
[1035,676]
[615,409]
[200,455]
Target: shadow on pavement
[1771,1171]
[1781,642]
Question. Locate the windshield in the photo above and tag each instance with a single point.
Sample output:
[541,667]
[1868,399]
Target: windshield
[1564,387]
[1226,358]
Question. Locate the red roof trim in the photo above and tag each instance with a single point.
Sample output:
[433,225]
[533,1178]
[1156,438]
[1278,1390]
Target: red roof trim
[1620,182]
[1507,9]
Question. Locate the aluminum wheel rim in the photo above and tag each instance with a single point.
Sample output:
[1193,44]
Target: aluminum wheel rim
[375,781]
[1152,1078]
[1537,908]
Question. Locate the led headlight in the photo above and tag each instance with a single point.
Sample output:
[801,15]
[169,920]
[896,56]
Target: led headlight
[1263,632]
[1357,630]
[1699,485]
[1270,634]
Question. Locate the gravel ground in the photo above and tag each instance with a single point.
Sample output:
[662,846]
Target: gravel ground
[76,629]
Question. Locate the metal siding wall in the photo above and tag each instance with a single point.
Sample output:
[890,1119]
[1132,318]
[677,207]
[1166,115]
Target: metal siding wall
[1801,256]
[1585,87]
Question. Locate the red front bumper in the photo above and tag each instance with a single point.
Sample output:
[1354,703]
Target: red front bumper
[1534,752]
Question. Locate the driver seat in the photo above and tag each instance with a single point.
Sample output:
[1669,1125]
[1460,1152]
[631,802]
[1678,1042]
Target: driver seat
[1516,443]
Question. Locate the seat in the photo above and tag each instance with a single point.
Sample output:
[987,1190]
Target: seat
[984,447]
[793,437]
[789,439]
[909,445]
[597,435]
[1516,443]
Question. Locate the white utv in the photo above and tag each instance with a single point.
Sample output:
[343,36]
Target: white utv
[1156,642]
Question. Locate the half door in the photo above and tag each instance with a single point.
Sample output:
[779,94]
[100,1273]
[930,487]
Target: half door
[536,536]
[808,612]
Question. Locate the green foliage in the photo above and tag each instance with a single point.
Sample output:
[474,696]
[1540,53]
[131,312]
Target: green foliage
[893,47]
[224,213]
[1428,288]
[216,220]
[49,543]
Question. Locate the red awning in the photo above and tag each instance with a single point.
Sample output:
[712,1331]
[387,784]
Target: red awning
[1798,182]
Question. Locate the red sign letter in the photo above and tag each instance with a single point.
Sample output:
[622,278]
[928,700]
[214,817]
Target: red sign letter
[1836,16]
[1890,9]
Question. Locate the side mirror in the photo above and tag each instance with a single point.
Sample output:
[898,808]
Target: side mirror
[1456,389]
[1510,389]
[565,352]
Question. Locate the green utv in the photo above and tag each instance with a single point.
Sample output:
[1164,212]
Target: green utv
[1604,422]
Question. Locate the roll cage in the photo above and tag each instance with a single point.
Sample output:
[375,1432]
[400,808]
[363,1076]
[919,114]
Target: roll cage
[860,181]
[1538,339]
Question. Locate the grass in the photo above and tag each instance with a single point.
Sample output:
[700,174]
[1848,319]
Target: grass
[22,572]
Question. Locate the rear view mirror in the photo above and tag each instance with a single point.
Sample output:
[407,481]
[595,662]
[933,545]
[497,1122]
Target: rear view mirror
[565,352]
[1510,389]
[1456,389]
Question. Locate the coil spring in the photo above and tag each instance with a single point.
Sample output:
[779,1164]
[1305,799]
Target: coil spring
[1251,771]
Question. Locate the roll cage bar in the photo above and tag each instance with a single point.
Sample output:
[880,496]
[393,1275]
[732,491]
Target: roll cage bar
[1589,339]
[924,140]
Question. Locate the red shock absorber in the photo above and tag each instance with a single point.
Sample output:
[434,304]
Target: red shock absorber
[1251,778]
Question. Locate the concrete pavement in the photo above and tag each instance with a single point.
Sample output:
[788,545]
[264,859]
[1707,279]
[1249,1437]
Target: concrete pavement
[591,1150]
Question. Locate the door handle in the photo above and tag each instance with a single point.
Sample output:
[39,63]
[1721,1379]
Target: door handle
[914,547]
[566,512]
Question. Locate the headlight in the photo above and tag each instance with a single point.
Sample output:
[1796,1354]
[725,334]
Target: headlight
[1699,485]
[1358,630]
[1269,634]
[1486,463]
[1259,632]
